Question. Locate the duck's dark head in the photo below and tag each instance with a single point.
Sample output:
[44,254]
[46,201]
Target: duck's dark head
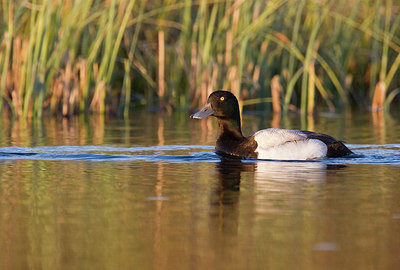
[225,107]
[221,104]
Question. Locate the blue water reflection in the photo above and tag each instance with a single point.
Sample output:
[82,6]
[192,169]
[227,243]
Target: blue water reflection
[364,154]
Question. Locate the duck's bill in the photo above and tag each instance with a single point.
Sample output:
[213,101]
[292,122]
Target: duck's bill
[203,113]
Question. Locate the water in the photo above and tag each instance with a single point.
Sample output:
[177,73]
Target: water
[150,193]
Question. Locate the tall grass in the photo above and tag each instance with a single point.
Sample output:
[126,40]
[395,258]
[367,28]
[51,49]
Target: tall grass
[109,55]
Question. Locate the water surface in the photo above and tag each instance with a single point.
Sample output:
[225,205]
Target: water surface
[151,193]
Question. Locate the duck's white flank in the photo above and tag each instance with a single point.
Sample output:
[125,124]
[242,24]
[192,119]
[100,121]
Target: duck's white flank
[286,144]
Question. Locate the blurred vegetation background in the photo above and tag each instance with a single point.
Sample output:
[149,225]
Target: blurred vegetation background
[112,56]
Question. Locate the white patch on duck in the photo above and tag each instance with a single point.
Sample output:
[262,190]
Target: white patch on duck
[287,144]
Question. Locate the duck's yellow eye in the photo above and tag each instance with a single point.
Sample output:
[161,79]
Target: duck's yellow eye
[222,98]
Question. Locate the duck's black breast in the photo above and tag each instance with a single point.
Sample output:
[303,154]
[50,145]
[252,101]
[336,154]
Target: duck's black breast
[239,147]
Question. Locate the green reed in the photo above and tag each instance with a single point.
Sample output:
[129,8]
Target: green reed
[82,56]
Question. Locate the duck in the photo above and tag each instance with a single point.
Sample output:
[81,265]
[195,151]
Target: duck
[270,143]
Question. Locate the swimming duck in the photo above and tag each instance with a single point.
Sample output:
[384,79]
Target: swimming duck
[271,143]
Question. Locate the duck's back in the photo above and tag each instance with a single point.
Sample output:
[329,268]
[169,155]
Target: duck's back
[289,144]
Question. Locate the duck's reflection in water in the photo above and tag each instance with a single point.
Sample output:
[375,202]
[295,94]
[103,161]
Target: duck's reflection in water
[268,179]
[230,170]
[287,176]
[224,210]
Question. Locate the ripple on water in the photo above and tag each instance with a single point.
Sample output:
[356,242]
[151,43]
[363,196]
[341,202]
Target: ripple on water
[167,153]
[371,154]
[364,154]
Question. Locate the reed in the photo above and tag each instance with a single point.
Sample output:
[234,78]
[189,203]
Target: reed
[108,56]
